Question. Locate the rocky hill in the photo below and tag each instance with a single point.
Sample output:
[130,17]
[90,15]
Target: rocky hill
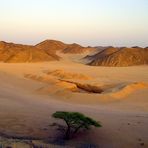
[101,53]
[77,49]
[44,51]
[15,53]
[51,45]
[47,51]
[120,57]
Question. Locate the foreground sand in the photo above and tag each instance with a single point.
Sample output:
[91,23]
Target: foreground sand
[26,111]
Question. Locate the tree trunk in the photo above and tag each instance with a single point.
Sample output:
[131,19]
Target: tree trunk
[67,135]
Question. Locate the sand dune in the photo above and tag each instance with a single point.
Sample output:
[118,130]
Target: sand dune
[65,81]
[68,75]
[124,90]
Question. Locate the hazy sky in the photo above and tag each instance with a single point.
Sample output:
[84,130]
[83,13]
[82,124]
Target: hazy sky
[88,22]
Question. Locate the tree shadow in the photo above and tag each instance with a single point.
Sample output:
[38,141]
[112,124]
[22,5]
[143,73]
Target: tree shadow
[60,139]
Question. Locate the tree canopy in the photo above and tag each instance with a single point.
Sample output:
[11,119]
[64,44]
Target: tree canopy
[75,121]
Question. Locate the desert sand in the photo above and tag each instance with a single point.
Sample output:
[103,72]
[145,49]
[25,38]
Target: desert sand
[115,96]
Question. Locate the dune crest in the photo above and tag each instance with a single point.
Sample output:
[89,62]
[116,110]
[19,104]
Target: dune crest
[123,91]
[62,74]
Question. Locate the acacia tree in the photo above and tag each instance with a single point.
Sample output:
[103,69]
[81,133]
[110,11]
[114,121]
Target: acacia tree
[75,121]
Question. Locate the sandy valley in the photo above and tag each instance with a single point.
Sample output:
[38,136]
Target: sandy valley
[53,76]
[73,73]
[115,96]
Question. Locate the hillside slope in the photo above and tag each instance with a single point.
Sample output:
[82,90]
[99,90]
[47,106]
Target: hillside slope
[121,57]
[16,53]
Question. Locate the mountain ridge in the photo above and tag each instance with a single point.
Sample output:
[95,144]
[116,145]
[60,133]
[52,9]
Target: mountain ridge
[47,51]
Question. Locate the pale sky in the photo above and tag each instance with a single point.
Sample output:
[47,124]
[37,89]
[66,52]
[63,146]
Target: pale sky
[87,22]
